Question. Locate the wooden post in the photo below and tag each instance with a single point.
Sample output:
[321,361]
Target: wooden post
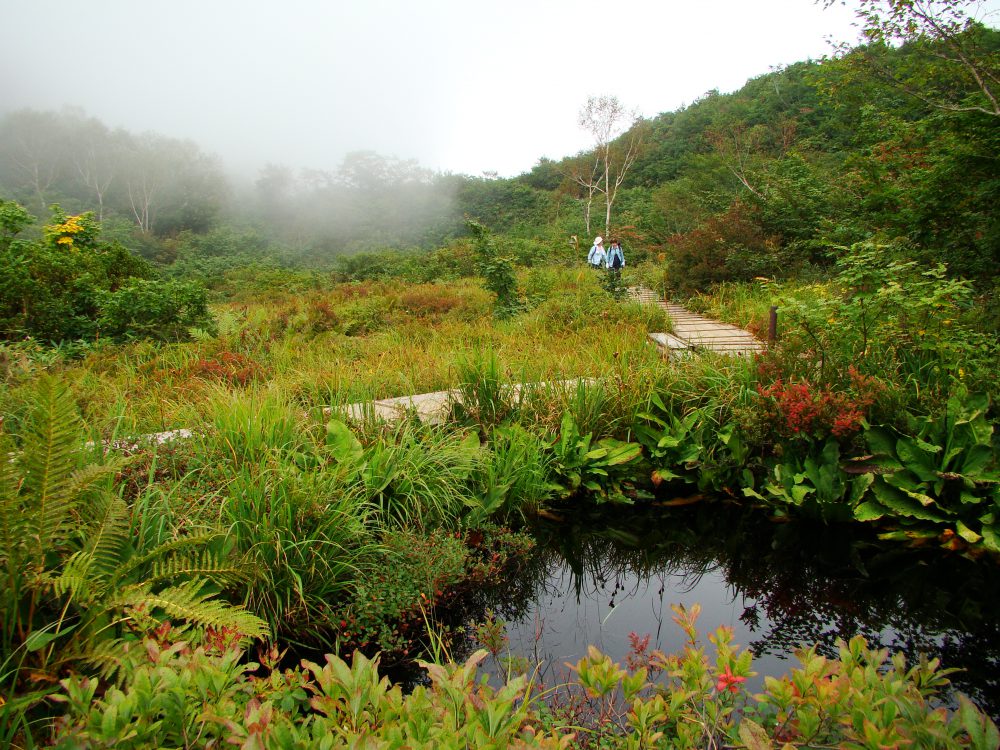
[772,326]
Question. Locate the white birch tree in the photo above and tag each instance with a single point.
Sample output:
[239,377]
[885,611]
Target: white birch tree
[617,139]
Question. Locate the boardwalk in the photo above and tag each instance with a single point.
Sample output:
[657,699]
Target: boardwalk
[694,333]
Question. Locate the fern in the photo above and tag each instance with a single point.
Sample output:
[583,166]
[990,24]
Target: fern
[69,556]
[47,461]
[162,550]
[189,602]
[204,564]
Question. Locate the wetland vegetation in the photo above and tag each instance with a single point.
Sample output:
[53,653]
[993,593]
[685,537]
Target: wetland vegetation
[252,580]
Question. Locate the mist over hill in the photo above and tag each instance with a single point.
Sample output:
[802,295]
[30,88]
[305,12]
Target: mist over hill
[811,156]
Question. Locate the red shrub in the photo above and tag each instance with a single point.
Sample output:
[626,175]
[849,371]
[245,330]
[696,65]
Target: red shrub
[800,409]
[229,367]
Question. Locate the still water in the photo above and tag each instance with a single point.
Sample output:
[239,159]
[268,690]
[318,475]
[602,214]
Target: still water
[596,579]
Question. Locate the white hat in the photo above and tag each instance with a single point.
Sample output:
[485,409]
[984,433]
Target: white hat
[598,240]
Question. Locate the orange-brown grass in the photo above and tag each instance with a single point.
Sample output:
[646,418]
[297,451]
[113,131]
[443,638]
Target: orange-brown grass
[423,331]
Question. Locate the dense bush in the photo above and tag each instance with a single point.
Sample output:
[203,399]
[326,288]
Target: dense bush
[70,286]
[729,247]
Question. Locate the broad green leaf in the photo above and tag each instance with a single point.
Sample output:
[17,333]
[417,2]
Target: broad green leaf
[967,534]
[799,493]
[881,442]
[869,511]
[859,487]
[624,453]
[342,442]
[977,459]
[920,497]
[903,505]
[916,460]
[991,537]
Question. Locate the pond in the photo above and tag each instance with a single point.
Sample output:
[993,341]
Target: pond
[594,579]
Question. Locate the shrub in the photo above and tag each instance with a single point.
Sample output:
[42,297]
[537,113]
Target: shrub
[153,309]
[71,286]
[728,247]
[200,697]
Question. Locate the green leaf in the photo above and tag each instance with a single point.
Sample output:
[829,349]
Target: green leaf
[916,460]
[869,511]
[977,459]
[623,453]
[39,639]
[991,537]
[345,447]
[901,504]
[859,487]
[881,442]
[967,534]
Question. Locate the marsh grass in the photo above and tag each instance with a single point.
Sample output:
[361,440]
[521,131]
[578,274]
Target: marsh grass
[304,535]
[419,477]
[744,305]
[513,479]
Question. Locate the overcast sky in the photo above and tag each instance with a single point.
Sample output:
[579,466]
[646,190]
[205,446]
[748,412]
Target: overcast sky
[463,86]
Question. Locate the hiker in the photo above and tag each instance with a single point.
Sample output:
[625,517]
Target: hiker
[616,258]
[597,257]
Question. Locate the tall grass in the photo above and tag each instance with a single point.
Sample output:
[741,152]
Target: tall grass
[419,477]
[305,536]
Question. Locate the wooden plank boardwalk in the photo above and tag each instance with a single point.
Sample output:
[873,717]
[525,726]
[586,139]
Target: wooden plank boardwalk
[694,333]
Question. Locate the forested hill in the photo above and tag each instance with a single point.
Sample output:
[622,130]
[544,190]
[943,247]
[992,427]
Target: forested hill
[889,144]
[882,142]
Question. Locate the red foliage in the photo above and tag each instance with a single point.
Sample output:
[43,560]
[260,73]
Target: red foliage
[800,409]
[229,367]
[427,301]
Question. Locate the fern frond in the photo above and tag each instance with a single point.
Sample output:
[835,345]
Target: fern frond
[192,541]
[206,564]
[12,532]
[114,658]
[109,539]
[75,578]
[83,479]
[88,573]
[188,602]
[48,460]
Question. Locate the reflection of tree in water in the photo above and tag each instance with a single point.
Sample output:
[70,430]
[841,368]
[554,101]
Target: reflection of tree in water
[811,584]
[820,584]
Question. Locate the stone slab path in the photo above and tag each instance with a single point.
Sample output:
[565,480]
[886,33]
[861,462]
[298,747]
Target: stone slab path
[434,408]
[694,333]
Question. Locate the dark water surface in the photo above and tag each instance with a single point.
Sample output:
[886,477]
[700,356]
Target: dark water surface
[595,579]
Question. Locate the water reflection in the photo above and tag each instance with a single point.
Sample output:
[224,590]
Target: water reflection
[596,578]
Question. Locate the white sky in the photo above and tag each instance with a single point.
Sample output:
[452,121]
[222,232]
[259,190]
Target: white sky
[460,85]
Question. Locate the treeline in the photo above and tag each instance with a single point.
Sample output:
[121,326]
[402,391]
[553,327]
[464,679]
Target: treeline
[895,145]
[891,144]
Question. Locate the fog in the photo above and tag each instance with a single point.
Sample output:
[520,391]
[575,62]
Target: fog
[459,87]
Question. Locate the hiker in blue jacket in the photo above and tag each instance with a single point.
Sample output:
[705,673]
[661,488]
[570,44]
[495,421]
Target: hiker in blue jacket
[597,257]
[616,258]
